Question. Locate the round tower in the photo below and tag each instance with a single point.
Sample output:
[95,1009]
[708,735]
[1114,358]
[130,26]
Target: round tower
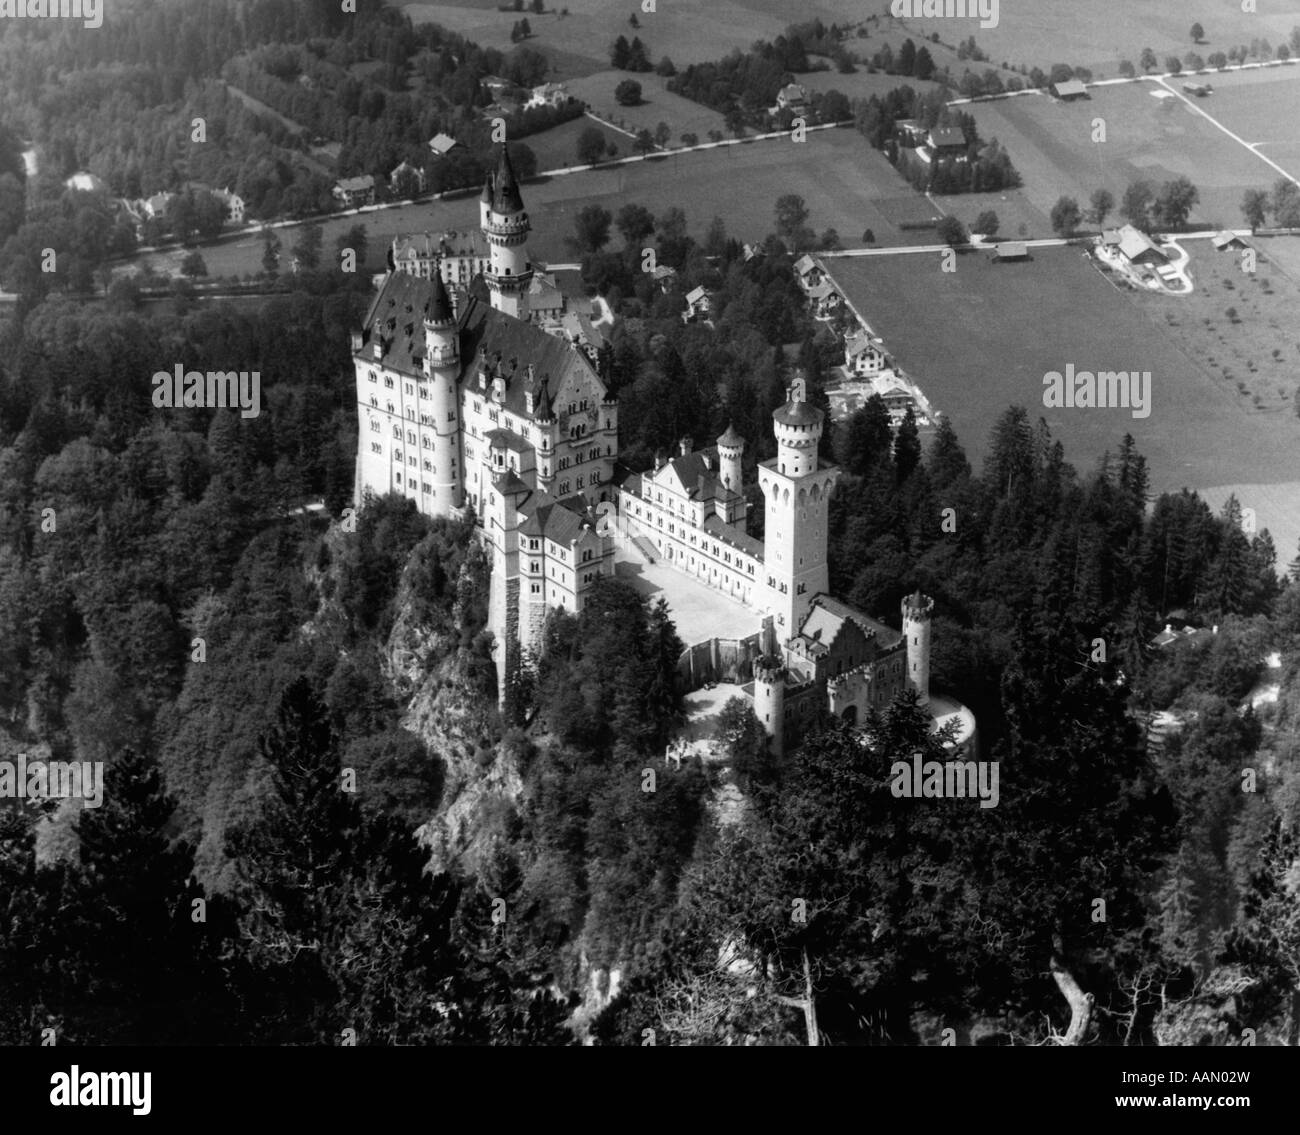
[917,609]
[731,450]
[798,429]
[769,700]
[441,370]
[505,228]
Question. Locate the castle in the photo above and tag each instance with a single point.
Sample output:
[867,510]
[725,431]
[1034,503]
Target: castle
[473,410]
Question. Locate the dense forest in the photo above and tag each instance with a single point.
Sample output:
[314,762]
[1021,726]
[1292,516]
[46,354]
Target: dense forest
[317,825]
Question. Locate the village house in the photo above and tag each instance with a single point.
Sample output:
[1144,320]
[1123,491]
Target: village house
[355,191]
[406,169]
[442,144]
[864,355]
[548,94]
[698,305]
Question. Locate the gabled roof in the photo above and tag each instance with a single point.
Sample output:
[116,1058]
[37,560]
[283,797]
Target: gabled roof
[442,143]
[862,342]
[354,184]
[943,136]
[695,295]
[826,618]
[553,519]
[1133,243]
[806,264]
[1070,88]
[1226,239]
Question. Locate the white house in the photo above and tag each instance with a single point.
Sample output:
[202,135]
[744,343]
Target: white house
[548,94]
[864,355]
[354,191]
[86,183]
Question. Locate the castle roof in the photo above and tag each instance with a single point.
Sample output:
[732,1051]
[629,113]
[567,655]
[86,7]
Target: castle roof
[504,186]
[797,414]
[828,616]
[509,484]
[731,438]
[440,302]
[508,439]
[553,519]
[492,344]
[742,542]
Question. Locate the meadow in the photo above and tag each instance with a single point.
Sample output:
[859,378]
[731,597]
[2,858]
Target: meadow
[982,338]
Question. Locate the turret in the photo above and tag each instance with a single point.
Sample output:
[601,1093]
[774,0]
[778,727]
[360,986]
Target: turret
[441,370]
[917,609]
[505,227]
[731,450]
[769,700]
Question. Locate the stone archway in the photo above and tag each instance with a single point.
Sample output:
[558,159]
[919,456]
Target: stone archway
[850,715]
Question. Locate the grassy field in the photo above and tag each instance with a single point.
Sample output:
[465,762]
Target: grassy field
[839,176]
[1096,35]
[659,105]
[1146,137]
[557,148]
[1262,107]
[982,338]
[1256,350]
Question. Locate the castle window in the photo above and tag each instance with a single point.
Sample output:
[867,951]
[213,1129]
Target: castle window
[374,401]
[397,453]
[388,382]
[409,390]
[375,447]
[428,465]
[579,482]
[426,486]
[374,425]
[372,376]
[424,392]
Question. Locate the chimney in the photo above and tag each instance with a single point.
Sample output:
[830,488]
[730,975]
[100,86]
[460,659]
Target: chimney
[661,459]
[685,445]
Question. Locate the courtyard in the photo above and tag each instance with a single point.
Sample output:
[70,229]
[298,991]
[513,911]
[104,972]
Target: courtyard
[699,612]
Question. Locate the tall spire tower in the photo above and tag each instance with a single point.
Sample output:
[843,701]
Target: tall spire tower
[797,487]
[505,227]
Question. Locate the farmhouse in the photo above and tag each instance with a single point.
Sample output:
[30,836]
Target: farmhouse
[864,355]
[1011,250]
[808,272]
[664,276]
[406,168]
[698,305]
[793,96]
[1070,90]
[548,94]
[442,145]
[946,142]
[825,300]
[157,205]
[1134,246]
[234,204]
[354,191]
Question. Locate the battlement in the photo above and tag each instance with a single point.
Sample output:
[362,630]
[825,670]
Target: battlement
[917,607]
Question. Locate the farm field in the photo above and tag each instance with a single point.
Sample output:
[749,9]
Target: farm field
[1146,137]
[1243,327]
[839,176]
[692,33]
[981,339]
[1099,34]
[557,147]
[1263,107]
[659,105]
